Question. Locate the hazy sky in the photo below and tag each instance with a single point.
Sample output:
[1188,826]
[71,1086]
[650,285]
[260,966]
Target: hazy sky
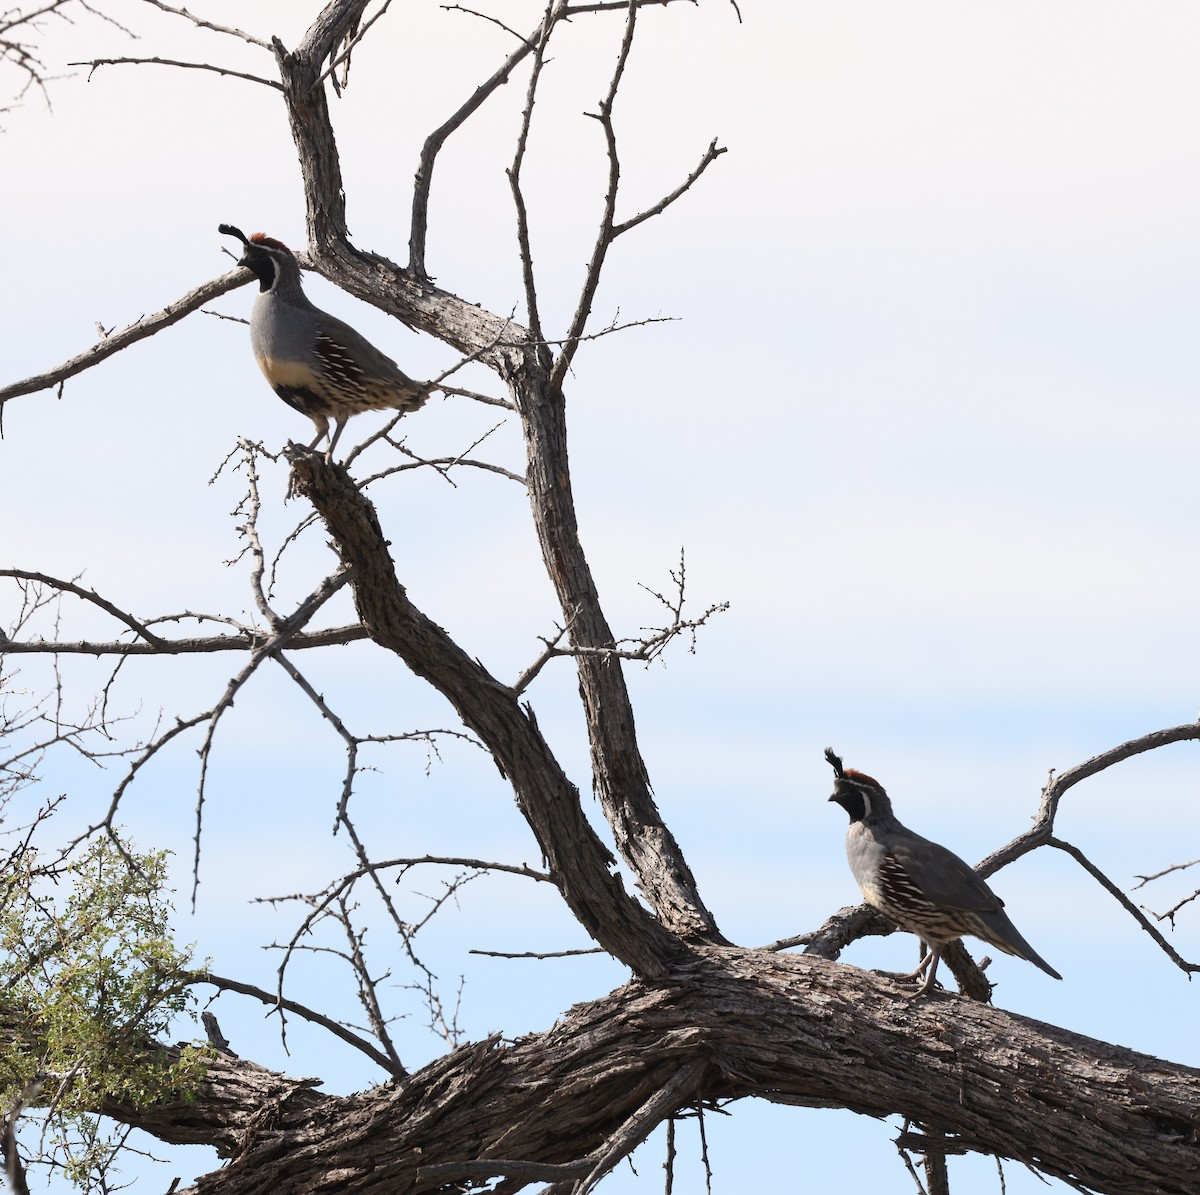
[925,415]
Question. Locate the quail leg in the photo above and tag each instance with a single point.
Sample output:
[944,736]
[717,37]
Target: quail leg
[934,955]
[337,431]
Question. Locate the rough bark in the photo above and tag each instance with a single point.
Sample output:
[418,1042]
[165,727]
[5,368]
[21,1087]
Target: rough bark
[735,1023]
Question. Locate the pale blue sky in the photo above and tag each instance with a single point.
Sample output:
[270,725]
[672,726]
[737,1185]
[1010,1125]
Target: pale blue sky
[927,419]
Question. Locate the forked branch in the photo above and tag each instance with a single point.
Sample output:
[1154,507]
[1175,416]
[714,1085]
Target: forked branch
[609,229]
[549,801]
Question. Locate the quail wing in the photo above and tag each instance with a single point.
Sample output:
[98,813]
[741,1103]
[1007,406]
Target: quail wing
[945,879]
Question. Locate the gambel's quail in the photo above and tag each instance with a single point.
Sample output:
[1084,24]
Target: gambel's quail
[316,363]
[921,886]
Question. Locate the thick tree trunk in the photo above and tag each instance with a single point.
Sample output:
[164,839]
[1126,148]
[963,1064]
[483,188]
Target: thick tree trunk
[724,1023]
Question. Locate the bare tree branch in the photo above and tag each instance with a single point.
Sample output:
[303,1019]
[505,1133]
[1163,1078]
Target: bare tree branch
[609,229]
[514,179]
[550,651]
[605,233]
[1043,826]
[537,954]
[1158,875]
[200,23]
[1169,915]
[176,647]
[95,63]
[88,595]
[438,138]
[711,154]
[274,1000]
[139,330]
[1124,902]
[20,29]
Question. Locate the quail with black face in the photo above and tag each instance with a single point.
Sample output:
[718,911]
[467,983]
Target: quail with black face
[316,363]
[921,886]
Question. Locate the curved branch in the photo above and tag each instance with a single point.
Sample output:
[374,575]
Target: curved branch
[619,774]
[711,154]
[437,139]
[1042,829]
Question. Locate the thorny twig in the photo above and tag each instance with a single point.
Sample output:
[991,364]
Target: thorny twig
[548,653]
[1125,903]
[443,465]
[19,26]
[1169,915]
[95,63]
[334,903]
[610,229]
[645,648]
[200,23]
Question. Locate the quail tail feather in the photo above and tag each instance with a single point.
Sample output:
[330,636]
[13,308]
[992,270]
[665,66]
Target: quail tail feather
[1001,933]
